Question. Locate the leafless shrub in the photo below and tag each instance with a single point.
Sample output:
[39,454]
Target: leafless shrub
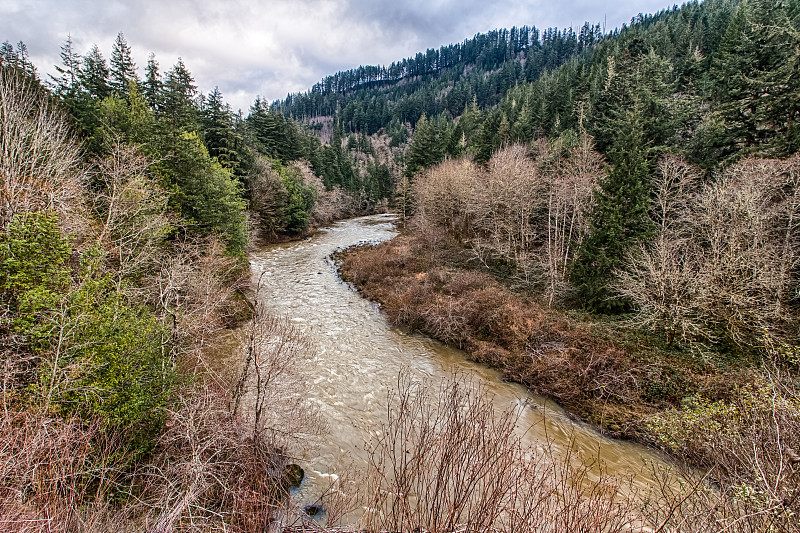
[726,257]
[56,474]
[195,292]
[749,225]
[271,380]
[664,279]
[132,208]
[40,162]
[444,196]
[210,472]
[449,461]
[527,208]
[330,205]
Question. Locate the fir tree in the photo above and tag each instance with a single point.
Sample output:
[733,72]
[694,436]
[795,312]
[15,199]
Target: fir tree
[178,107]
[220,138]
[152,83]
[619,218]
[66,83]
[94,74]
[123,69]
[425,148]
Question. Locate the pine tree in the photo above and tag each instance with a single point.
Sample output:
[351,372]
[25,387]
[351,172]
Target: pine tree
[66,83]
[756,88]
[152,83]
[619,217]
[123,69]
[425,148]
[220,138]
[94,74]
[178,107]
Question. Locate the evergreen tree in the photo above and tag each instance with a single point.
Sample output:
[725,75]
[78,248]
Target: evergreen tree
[206,193]
[18,58]
[123,69]
[756,88]
[220,138]
[619,220]
[178,107]
[425,148]
[94,74]
[153,85]
[66,83]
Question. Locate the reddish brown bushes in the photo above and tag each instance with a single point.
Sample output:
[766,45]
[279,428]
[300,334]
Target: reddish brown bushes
[530,343]
[55,473]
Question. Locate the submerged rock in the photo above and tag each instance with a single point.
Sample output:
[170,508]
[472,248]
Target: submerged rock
[313,510]
[293,475]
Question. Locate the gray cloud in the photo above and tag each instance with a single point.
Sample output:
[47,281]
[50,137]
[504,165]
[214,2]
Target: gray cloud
[274,47]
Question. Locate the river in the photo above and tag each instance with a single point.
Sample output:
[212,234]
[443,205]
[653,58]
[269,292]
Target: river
[359,356]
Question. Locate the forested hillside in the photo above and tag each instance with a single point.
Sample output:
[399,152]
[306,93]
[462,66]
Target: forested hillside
[611,219]
[621,234]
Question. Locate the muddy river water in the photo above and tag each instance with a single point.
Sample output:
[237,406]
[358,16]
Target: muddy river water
[359,355]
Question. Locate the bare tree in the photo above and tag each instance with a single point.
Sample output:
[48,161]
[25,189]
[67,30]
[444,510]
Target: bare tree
[665,278]
[726,257]
[195,292]
[570,188]
[448,460]
[132,208]
[40,162]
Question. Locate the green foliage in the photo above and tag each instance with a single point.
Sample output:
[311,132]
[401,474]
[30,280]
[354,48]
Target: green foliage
[220,137]
[299,200]
[425,148]
[177,107]
[619,219]
[33,270]
[112,363]
[756,91]
[98,355]
[129,118]
[123,69]
[205,192]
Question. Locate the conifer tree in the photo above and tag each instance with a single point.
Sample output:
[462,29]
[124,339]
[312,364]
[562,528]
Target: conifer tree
[220,138]
[756,89]
[94,74]
[66,83]
[425,148]
[123,69]
[178,107]
[619,220]
[152,83]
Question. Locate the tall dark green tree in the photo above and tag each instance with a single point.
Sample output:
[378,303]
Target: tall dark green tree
[425,148]
[153,85]
[178,107]
[94,74]
[620,216]
[756,89]
[66,83]
[123,69]
[219,135]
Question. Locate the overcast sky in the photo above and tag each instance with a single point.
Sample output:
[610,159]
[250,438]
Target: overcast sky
[273,47]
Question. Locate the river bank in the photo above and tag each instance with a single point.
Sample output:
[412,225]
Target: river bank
[599,370]
[358,356]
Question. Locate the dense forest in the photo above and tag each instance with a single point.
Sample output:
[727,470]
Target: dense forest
[610,219]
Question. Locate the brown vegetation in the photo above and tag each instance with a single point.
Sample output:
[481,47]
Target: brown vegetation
[607,382]
[526,208]
[40,161]
[725,259]
[448,460]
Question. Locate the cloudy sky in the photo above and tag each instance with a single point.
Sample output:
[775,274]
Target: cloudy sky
[273,47]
